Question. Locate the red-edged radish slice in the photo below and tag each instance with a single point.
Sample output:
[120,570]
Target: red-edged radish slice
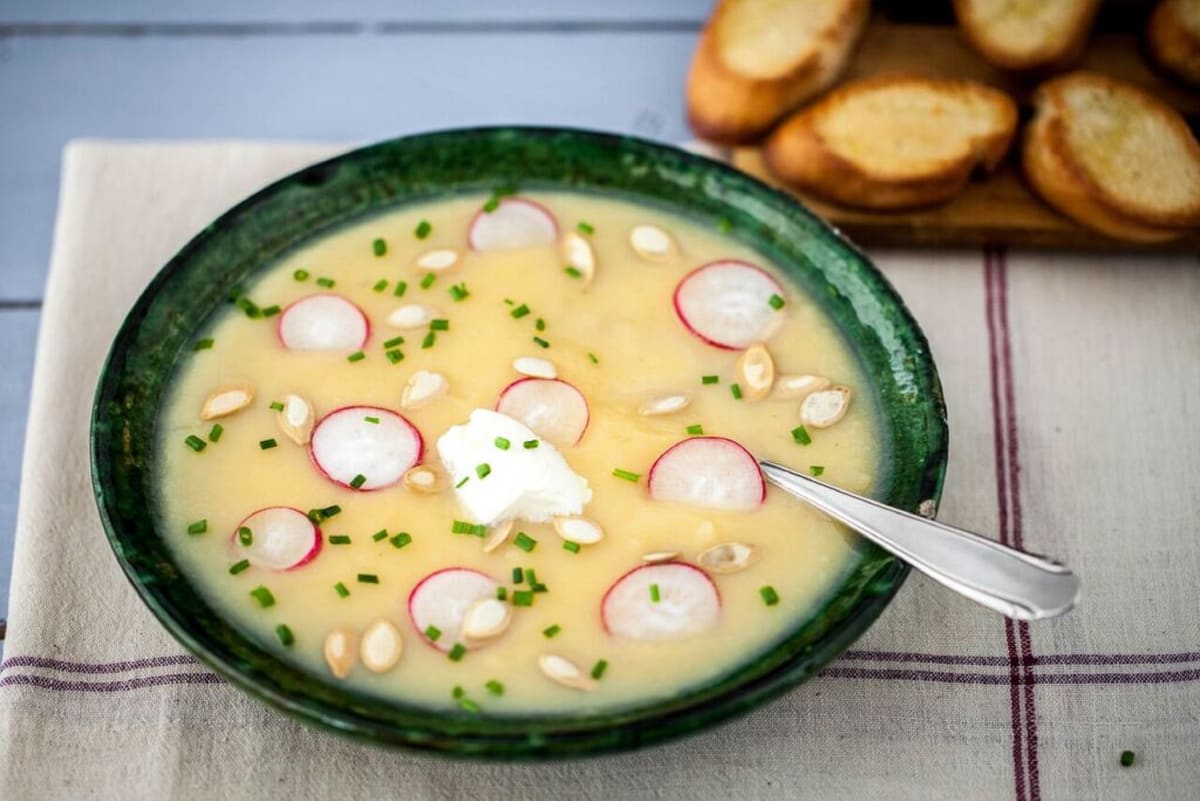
[728,304]
[713,472]
[346,445]
[549,407]
[323,322]
[687,602]
[281,538]
[516,223]
[442,599]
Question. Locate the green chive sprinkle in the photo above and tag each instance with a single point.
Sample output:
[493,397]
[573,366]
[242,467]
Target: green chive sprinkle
[467,705]
[239,567]
[195,443]
[214,433]
[509,301]
[625,474]
[439,325]
[457,692]
[710,379]
[529,444]
[203,344]
[464,481]
[585,228]
[380,285]
[428,341]
[502,593]
[491,205]
[1127,759]
[695,430]
[776,302]
[427,280]
[300,275]
[271,311]
[530,576]
[341,590]
[267,444]
[401,539]
[724,225]
[736,391]
[249,307]
[245,536]
[263,596]
[433,633]
[339,539]
[457,652]
[494,687]
[393,342]
[380,535]
[520,311]
[358,481]
[502,443]
[540,324]
[423,229]
[522,598]
[769,596]
[368,578]
[572,271]
[379,247]
[285,635]
[483,470]
[459,292]
[276,406]
[401,288]
[330,511]
[655,595]
[541,343]
[593,358]
[327,283]
[394,356]
[199,527]
[525,542]
[372,420]
[550,631]
[573,547]
[463,527]
[357,356]
[598,669]
[801,436]
[816,469]
[518,575]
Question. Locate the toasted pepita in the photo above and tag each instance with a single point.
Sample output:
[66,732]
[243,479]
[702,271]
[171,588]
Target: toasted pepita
[577,252]
[486,618]
[579,530]
[797,387]
[437,260]
[823,409]
[651,242]
[728,557]
[535,367]
[340,652]
[226,401]
[423,386]
[660,556]
[497,535]
[424,478]
[755,372]
[296,419]
[412,315]
[565,672]
[664,404]
[382,646]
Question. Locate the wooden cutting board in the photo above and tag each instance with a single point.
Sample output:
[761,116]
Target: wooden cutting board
[999,209]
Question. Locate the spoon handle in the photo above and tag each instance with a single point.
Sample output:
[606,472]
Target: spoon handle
[1014,583]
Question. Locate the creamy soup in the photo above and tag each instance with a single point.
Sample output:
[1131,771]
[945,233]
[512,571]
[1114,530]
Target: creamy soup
[494,454]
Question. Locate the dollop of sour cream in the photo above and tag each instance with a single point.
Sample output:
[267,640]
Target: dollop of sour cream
[533,484]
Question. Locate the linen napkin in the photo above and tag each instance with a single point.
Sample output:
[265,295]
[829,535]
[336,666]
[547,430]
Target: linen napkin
[1072,384]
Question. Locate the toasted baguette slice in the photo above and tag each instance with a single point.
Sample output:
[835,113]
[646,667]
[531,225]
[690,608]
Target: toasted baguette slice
[1027,35]
[894,142]
[758,59]
[1113,157]
[1173,38]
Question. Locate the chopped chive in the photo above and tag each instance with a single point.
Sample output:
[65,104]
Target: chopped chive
[263,596]
[550,631]
[776,302]
[379,247]
[540,324]
[530,576]
[464,481]
[238,567]
[695,430]
[585,228]
[502,443]
[769,596]
[710,379]
[368,578]
[520,311]
[341,590]
[428,341]
[525,542]
[724,225]
[249,307]
[195,443]
[393,342]
[439,325]
[735,391]
[463,527]
[427,280]
[573,547]
[518,575]
[541,343]
[491,205]
[401,539]
[300,275]
[339,539]
[372,420]
[801,436]
[214,433]
[483,470]
[276,406]
[401,288]
[327,283]
[203,344]
[502,593]
[380,535]
[572,271]
[625,474]
[330,511]
[522,598]
[1127,759]
[357,356]
[394,356]
[593,358]
[267,444]
[459,292]
[457,652]
[271,311]
[245,536]
[433,633]
[467,705]
[198,527]
[285,635]
[457,692]
[494,687]
[380,285]
[529,444]
[358,481]
[509,301]
[598,669]
[423,229]
[816,469]
[655,595]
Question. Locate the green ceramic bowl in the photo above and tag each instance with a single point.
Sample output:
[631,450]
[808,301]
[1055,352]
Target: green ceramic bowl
[193,286]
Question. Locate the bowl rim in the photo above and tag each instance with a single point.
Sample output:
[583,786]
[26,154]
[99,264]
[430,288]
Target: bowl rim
[548,737]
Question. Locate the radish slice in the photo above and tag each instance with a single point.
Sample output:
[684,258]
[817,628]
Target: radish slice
[688,602]
[346,445]
[515,223]
[549,407]
[281,538]
[713,472]
[728,304]
[442,599]
[323,322]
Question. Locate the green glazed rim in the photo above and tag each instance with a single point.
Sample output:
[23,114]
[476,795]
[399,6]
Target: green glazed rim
[249,238]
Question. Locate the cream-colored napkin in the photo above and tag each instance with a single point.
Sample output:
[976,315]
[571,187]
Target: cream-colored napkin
[1072,384]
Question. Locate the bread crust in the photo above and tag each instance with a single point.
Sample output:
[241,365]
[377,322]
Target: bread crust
[728,108]
[798,154]
[1172,46]
[1056,55]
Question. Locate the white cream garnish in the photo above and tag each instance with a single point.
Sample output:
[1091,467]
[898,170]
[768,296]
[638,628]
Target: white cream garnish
[534,484]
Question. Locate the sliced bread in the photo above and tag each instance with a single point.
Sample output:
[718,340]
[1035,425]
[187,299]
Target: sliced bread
[1113,157]
[1173,38]
[894,142]
[758,59]
[1027,35]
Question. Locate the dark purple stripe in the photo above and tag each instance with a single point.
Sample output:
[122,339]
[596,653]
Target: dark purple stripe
[953,677]
[47,683]
[95,667]
[1048,659]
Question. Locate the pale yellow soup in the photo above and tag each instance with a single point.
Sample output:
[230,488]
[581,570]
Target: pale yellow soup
[626,320]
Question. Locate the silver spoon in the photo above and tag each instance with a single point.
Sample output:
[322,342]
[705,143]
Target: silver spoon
[1014,583]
